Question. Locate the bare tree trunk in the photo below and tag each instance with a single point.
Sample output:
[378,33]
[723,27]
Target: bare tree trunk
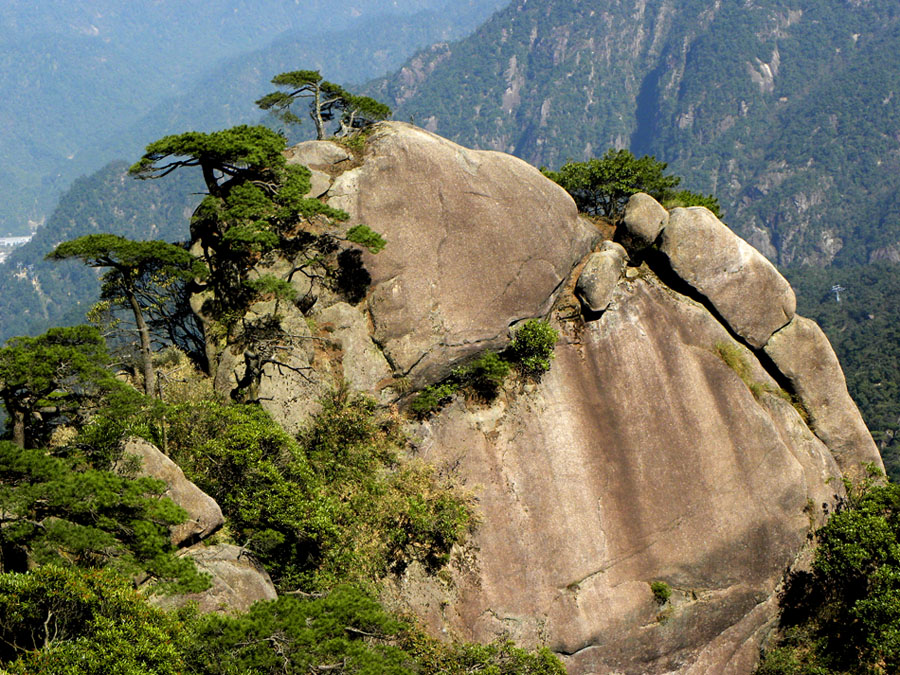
[18,427]
[317,117]
[146,353]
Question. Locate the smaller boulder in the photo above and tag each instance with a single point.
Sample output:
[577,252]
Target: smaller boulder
[745,288]
[237,581]
[600,275]
[204,514]
[645,218]
[320,155]
[319,182]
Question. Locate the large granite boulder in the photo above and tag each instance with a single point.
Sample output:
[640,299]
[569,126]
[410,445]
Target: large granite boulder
[476,241]
[804,356]
[236,581]
[641,457]
[644,219]
[744,287]
[204,514]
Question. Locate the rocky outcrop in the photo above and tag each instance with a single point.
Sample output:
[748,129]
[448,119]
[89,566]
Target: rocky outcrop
[204,514]
[236,581]
[476,241]
[744,287]
[661,446]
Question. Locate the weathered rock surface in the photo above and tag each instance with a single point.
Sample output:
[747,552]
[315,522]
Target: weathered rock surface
[237,581]
[476,241]
[600,275]
[320,155]
[744,287]
[644,220]
[363,365]
[204,514]
[803,354]
[640,457]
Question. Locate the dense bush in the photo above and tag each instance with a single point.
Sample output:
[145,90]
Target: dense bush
[338,504]
[57,620]
[59,509]
[73,622]
[532,347]
[844,615]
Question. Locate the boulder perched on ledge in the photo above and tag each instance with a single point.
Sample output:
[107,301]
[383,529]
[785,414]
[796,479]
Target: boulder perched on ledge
[745,288]
[600,275]
[645,218]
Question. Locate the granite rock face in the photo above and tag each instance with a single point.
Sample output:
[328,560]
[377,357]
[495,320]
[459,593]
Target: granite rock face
[640,457]
[204,514]
[744,287]
[477,240]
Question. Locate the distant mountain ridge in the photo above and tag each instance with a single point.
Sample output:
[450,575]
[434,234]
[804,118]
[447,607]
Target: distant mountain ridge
[786,109]
[83,83]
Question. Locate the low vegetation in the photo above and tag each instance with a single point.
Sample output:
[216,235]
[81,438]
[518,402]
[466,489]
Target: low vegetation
[843,616]
[530,352]
[734,358]
[661,591]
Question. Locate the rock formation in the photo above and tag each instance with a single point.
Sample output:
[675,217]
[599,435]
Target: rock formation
[692,429]
[204,516]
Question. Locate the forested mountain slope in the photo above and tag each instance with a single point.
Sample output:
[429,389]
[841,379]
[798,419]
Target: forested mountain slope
[786,109]
[37,293]
[78,79]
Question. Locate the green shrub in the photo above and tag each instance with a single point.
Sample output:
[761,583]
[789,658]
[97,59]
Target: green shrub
[661,591]
[532,347]
[338,504]
[432,398]
[85,622]
[688,198]
[844,615]
[60,510]
[485,375]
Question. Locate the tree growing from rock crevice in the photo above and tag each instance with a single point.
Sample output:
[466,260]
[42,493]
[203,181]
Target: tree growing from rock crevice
[256,203]
[327,101]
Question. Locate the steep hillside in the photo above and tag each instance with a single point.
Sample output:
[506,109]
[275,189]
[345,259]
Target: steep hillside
[786,109]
